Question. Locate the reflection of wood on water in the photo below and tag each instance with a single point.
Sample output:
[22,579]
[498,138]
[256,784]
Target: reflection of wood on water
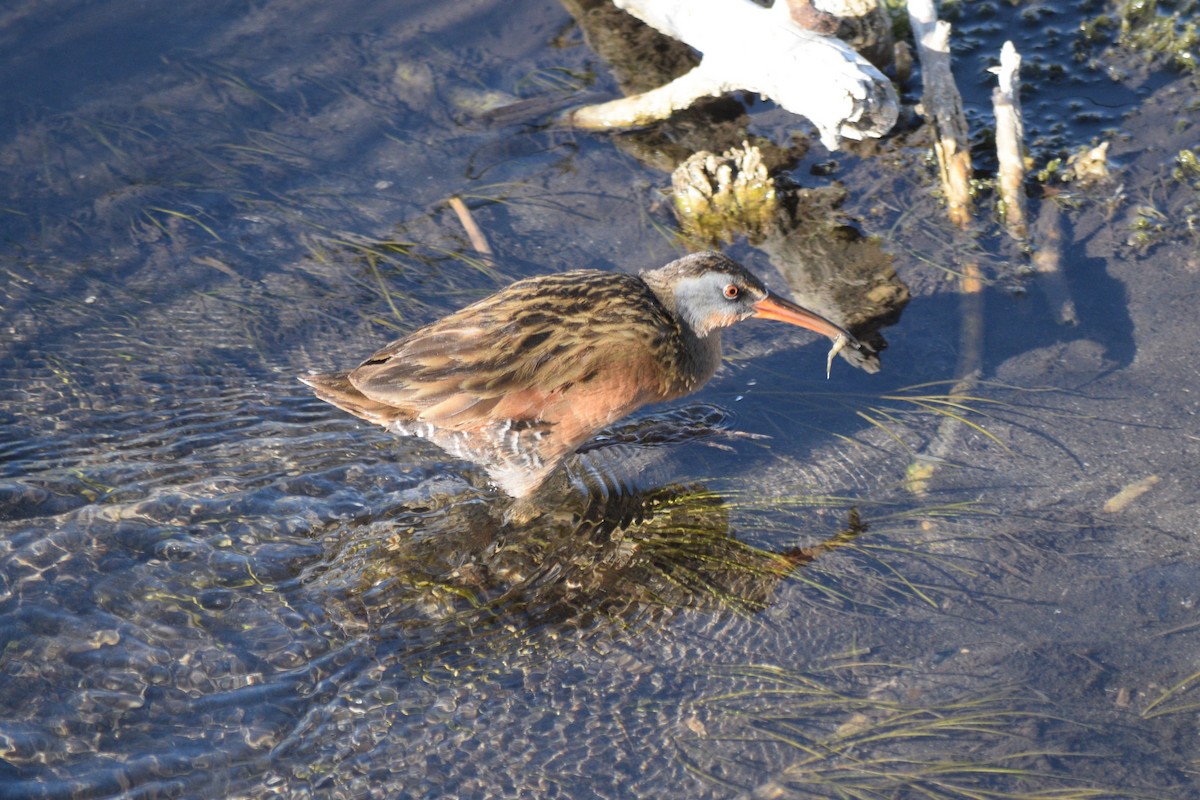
[943,107]
[1047,261]
[970,364]
[829,266]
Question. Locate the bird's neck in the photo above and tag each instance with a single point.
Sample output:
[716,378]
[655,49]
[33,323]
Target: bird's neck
[696,357]
[705,357]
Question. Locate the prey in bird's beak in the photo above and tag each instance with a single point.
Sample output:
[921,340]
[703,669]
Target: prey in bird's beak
[775,307]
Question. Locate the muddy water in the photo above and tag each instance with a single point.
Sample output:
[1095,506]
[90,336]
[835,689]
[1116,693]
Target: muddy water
[212,584]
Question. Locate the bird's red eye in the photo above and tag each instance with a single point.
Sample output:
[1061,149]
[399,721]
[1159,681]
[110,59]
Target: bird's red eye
[732,291]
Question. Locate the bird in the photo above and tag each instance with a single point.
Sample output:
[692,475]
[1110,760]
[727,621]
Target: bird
[519,380]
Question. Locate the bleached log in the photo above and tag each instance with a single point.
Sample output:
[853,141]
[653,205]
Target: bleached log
[943,108]
[750,48]
[1010,137]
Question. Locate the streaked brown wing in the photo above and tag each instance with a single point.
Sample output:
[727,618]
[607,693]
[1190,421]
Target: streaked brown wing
[511,355]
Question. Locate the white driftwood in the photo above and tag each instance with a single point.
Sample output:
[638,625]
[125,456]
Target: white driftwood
[1010,136]
[943,107]
[751,48]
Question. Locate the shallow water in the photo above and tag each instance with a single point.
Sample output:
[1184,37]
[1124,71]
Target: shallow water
[213,584]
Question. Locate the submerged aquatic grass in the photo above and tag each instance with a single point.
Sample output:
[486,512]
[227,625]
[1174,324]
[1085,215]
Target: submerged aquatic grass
[263,149]
[389,264]
[150,211]
[891,552]
[908,545]
[903,415]
[553,79]
[1161,30]
[521,193]
[1171,700]
[836,733]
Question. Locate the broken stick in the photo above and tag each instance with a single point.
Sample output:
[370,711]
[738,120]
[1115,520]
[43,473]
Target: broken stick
[943,108]
[478,240]
[1010,135]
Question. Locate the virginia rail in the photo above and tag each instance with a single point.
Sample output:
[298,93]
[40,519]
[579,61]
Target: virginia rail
[519,380]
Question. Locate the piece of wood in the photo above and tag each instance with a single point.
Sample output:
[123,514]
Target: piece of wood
[478,240]
[747,47]
[1010,137]
[1124,498]
[943,108]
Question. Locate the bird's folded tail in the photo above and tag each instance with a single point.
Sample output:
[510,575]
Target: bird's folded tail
[335,388]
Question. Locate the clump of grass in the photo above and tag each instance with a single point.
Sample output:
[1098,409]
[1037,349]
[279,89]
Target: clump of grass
[1162,32]
[1187,172]
[1148,227]
[1187,168]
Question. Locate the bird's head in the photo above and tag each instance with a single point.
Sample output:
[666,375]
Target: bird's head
[710,291]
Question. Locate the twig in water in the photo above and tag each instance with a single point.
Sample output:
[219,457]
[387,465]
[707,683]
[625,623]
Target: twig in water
[478,240]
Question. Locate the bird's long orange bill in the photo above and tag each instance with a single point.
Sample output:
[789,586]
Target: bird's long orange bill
[775,307]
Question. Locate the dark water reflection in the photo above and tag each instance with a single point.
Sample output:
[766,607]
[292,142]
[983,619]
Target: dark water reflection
[213,585]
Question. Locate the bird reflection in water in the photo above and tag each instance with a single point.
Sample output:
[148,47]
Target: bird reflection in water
[591,542]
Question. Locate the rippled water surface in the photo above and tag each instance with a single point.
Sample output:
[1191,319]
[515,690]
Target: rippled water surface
[918,583]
